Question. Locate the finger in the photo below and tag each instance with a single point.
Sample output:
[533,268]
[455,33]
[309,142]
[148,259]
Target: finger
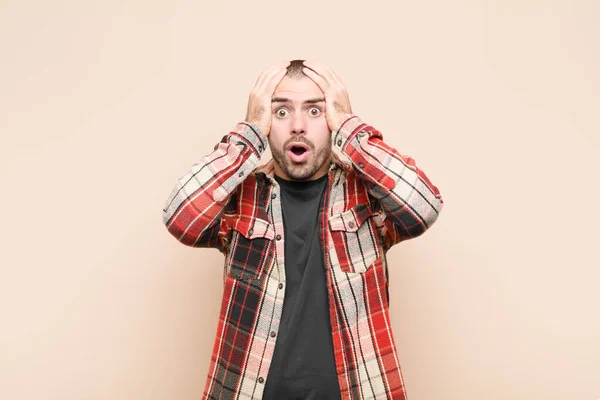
[275,81]
[262,75]
[315,64]
[322,70]
[267,73]
[268,76]
[318,79]
[271,82]
[274,70]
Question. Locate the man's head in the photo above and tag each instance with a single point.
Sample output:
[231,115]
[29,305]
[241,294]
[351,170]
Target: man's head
[300,138]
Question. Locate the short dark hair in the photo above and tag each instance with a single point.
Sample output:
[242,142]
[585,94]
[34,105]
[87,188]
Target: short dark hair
[294,70]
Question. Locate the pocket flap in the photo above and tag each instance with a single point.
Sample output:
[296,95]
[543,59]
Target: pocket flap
[253,228]
[351,220]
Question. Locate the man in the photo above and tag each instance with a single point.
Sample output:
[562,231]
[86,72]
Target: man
[305,305]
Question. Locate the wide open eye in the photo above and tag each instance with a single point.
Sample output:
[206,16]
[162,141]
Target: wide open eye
[314,111]
[281,113]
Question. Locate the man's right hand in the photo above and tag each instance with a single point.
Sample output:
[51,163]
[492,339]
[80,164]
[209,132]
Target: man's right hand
[259,103]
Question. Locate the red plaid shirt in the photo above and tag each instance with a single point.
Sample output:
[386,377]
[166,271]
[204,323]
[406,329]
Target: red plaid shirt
[375,198]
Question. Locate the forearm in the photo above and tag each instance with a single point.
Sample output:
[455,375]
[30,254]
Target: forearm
[405,193]
[193,209]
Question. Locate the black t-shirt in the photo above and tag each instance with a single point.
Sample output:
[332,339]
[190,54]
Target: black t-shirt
[303,365]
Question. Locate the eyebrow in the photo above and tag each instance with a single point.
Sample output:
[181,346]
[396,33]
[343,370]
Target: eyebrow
[286,100]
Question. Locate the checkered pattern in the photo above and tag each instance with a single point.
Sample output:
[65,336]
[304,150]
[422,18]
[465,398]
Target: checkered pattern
[375,198]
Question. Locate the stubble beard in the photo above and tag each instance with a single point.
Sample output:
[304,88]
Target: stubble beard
[302,171]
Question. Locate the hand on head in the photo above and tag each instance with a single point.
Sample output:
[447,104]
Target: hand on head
[259,103]
[337,102]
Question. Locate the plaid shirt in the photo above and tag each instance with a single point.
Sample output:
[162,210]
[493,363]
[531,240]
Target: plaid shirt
[374,198]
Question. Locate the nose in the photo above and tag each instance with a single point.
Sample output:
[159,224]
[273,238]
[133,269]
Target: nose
[298,124]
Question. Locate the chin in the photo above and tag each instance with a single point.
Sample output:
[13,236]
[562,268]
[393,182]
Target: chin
[299,176]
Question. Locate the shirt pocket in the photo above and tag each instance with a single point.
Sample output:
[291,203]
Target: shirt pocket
[354,243]
[251,251]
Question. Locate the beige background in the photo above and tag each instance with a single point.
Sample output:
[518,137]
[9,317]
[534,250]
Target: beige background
[104,104]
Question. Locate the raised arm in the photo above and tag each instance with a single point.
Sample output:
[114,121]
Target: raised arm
[193,212]
[410,202]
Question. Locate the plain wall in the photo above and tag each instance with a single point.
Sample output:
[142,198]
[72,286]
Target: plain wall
[105,104]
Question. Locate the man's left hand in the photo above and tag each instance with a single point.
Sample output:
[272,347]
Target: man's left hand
[337,102]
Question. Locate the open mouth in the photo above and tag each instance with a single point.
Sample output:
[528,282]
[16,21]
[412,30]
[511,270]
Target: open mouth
[298,152]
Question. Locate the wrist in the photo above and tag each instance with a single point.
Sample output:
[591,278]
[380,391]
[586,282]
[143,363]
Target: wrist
[344,129]
[253,134]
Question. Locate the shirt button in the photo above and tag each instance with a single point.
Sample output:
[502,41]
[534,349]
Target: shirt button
[260,147]
[241,173]
[351,224]
[273,195]
[280,286]
[273,334]
[361,165]
[278,237]
[251,232]
[261,380]
[339,143]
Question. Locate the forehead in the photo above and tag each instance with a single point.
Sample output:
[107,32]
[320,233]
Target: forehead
[297,89]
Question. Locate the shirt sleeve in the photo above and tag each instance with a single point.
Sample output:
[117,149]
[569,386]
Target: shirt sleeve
[194,209]
[408,199]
